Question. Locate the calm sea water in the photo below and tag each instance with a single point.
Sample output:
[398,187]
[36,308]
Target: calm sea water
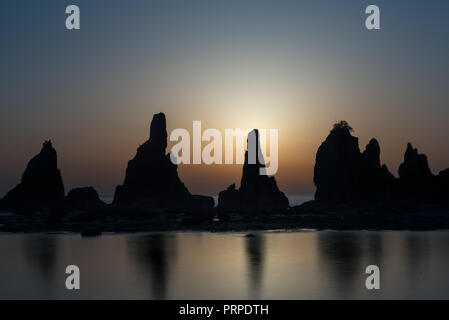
[184,265]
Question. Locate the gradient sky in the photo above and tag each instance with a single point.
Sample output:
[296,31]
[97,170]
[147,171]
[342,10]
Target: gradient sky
[297,66]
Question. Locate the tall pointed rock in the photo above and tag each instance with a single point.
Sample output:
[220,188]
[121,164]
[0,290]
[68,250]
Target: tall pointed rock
[258,192]
[376,182]
[152,180]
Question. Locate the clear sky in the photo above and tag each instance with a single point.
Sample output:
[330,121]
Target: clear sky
[297,66]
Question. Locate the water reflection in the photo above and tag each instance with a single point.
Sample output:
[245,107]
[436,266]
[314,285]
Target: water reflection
[255,252]
[41,251]
[340,256]
[417,249]
[374,248]
[322,265]
[155,254]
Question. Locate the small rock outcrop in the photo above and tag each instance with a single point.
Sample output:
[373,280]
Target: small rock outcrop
[229,200]
[152,182]
[84,199]
[41,187]
[258,192]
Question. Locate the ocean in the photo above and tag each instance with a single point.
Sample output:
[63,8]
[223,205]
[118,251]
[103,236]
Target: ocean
[303,264]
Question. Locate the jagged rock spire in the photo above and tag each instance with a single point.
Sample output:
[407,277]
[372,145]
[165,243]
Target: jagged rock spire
[258,192]
[152,180]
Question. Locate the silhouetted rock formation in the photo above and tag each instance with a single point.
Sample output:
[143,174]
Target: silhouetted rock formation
[343,174]
[229,199]
[416,179]
[41,187]
[337,166]
[85,199]
[376,182]
[257,192]
[152,182]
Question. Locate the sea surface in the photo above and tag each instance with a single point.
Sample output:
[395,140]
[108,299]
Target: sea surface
[303,264]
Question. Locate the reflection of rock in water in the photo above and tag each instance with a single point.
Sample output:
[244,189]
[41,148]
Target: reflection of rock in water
[373,248]
[255,251]
[155,254]
[417,253]
[42,253]
[340,253]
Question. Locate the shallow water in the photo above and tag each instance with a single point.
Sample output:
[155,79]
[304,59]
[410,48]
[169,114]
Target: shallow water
[199,265]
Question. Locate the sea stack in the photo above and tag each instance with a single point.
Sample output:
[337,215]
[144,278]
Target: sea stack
[152,182]
[416,179]
[337,166]
[343,174]
[376,182]
[41,187]
[258,192]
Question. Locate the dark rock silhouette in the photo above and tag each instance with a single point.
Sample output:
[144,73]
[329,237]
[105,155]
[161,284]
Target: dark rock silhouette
[376,182]
[337,166]
[343,174]
[258,192]
[229,199]
[41,187]
[415,165]
[442,185]
[417,182]
[84,199]
[416,179]
[152,182]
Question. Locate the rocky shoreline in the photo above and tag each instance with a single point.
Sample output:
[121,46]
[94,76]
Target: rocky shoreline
[307,216]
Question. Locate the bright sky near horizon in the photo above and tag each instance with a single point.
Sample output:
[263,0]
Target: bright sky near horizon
[296,66]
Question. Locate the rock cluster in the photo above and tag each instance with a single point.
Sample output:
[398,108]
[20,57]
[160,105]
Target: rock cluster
[343,174]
